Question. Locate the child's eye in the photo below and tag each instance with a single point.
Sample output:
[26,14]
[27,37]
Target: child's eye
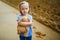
[22,8]
[26,8]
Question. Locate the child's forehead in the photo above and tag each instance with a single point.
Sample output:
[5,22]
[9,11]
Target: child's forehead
[25,3]
[24,6]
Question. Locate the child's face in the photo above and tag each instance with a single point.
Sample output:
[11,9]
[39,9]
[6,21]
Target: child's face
[24,9]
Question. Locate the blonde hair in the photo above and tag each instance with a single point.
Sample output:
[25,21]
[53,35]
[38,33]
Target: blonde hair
[25,3]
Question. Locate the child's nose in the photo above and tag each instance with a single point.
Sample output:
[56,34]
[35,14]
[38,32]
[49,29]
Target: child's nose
[25,10]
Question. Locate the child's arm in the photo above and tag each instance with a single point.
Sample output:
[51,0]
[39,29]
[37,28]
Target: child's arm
[26,23]
[19,23]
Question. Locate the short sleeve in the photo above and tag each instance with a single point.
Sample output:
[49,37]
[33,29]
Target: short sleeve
[31,19]
[18,18]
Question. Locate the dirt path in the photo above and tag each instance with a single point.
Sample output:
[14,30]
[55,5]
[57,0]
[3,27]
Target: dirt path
[8,16]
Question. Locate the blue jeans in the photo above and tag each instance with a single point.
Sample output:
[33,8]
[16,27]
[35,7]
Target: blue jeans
[25,38]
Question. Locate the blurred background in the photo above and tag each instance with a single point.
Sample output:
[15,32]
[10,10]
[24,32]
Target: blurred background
[46,12]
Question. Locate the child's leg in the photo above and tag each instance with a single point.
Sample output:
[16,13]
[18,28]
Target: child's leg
[29,38]
[22,38]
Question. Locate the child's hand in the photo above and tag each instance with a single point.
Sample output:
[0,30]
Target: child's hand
[19,23]
[26,23]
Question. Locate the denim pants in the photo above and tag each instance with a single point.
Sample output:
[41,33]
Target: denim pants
[25,38]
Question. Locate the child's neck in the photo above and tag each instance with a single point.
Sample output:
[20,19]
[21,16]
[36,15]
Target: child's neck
[25,15]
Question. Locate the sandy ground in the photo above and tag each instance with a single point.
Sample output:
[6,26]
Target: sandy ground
[8,17]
